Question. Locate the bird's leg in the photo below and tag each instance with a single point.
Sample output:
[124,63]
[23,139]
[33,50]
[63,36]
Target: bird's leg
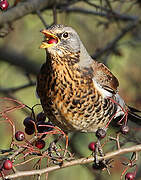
[99,151]
[100,133]
[64,134]
[53,147]
[101,165]
[56,159]
[96,161]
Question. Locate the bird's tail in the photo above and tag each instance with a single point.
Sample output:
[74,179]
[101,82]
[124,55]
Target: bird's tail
[134,115]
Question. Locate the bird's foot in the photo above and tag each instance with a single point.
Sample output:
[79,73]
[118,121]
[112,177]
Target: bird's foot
[53,152]
[100,164]
[57,153]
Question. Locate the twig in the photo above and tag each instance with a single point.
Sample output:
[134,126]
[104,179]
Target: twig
[18,59]
[114,14]
[20,150]
[25,8]
[111,45]
[109,5]
[41,18]
[74,162]
[28,7]
[54,15]
[14,89]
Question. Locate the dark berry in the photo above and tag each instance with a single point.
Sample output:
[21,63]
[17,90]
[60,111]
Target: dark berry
[44,128]
[19,136]
[28,122]
[41,116]
[100,133]
[7,165]
[99,166]
[29,131]
[52,41]
[130,176]
[40,144]
[92,146]
[124,129]
[4,5]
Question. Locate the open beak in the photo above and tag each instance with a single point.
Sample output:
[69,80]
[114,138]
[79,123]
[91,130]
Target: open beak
[50,39]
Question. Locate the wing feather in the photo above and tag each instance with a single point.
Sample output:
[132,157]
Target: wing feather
[103,76]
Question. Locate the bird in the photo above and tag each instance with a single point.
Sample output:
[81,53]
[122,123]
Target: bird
[77,93]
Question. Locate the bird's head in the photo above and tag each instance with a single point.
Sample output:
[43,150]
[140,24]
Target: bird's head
[60,39]
[64,41]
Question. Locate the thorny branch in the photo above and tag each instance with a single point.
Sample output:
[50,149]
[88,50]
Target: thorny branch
[74,162]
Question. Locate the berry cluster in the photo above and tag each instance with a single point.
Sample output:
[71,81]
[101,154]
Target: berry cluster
[4,4]
[39,123]
[30,125]
[100,134]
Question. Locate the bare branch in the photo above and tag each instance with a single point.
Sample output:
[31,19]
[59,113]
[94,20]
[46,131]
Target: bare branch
[111,45]
[41,18]
[74,162]
[54,15]
[19,60]
[113,14]
[14,89]
[23,9]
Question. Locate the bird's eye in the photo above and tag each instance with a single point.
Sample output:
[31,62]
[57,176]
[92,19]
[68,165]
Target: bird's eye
[65,35]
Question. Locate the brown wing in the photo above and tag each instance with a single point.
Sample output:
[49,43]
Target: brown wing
[104,77]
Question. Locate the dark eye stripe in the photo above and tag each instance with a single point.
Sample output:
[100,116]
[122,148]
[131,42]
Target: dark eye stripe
[59,35]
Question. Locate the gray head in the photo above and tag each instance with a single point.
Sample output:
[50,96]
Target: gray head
[59,37]
[62,40]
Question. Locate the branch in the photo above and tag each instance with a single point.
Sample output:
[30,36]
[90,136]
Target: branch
[113,14]
[18,59]
[23,9]
[41,18]
[111,45]
[14,89]
[74,162]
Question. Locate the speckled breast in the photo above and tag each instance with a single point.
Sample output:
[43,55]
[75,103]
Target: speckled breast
[71,101]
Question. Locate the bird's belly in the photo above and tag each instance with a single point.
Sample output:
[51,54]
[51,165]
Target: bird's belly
[77,109]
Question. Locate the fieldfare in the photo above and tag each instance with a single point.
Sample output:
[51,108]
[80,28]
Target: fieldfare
[76,92]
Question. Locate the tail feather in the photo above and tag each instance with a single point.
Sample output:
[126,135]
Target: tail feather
[132,109]
[133,116]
